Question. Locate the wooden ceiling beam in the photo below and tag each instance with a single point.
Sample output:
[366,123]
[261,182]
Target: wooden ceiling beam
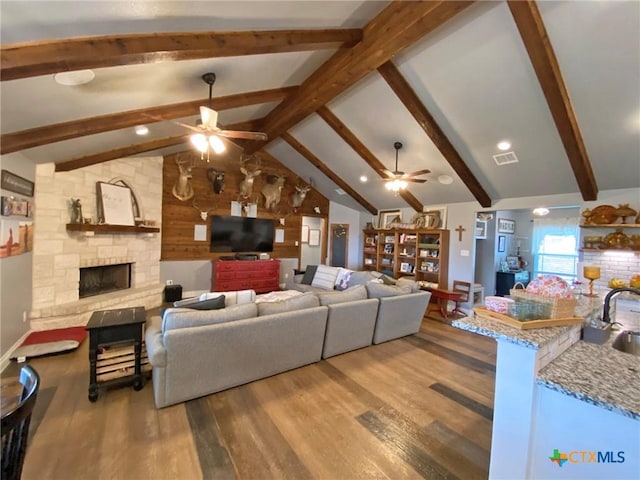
[34,137]
[395,28]
[30,59]
[534,36]
[359,147]
[120,152]
[415,106]
[137,148]
[316,162]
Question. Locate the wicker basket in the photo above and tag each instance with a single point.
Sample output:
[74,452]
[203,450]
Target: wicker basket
[560,307]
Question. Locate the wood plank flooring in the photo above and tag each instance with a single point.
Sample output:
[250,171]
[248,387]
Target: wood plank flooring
[417,407]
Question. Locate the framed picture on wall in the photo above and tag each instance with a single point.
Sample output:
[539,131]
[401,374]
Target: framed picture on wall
[314,237]
[502,242]
[304,234]
[481,229]
[506,226]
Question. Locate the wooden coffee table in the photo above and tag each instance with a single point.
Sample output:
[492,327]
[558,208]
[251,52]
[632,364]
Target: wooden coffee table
[108,328]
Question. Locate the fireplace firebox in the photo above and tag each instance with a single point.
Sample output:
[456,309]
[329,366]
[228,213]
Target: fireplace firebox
[104,279]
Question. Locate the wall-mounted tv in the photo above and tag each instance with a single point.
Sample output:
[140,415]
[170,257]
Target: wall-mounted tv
[241,234]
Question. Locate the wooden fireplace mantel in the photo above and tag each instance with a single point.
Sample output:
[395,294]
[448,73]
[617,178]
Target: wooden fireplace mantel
[86,227]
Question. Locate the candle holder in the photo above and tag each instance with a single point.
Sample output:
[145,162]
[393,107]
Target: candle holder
[591,274]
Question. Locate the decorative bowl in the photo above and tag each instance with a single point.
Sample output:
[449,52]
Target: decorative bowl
[603,215]
[617,239]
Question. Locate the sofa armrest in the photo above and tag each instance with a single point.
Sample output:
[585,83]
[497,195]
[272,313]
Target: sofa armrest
[153,340]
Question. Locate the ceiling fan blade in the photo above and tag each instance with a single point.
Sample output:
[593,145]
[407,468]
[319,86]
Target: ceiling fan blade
[243,135]
[388,173]
[209,118]
[190,127]
[416,173]
[415,180]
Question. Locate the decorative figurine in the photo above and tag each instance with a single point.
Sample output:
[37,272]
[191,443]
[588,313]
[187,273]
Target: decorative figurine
[76,211]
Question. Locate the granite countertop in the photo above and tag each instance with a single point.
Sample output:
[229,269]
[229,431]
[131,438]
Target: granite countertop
[596,374]
[534,338]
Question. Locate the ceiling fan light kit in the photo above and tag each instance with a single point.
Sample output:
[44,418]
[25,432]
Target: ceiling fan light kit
[207,132]
[398,180]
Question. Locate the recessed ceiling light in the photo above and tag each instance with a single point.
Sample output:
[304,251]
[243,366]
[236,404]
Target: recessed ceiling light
[504,145]
[77,77]
[141,130]
[363,178]
[540,211]
[445,179]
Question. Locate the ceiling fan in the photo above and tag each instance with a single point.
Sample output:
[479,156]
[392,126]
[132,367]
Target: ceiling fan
[397,180]
[207,128]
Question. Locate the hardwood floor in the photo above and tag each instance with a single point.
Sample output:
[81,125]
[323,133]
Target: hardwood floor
[415,407]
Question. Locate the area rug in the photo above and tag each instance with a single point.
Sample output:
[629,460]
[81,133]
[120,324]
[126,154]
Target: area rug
[50,341]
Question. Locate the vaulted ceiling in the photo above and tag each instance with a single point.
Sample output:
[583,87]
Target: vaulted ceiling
[334,84]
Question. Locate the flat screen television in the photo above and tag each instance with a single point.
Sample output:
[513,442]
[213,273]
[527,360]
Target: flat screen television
[241,234]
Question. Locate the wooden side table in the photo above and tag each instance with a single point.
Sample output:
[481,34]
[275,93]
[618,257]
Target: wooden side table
[115,327]
[443,296]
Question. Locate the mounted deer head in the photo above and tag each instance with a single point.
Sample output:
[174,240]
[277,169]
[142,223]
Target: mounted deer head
[203,213]
[272,191]
[246,185]
[216,177]
[183,190]
[300,194]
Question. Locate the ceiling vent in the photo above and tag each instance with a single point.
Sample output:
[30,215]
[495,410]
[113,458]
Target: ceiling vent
[505,158]
[340,191]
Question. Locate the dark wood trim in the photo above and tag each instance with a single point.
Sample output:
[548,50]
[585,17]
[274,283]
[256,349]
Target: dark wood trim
[30,59]
[34,137]
[395,28]
[360,148]
[412,102]
[534,36]
[316,162]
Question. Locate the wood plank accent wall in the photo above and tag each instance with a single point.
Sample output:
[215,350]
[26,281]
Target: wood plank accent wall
[179,218]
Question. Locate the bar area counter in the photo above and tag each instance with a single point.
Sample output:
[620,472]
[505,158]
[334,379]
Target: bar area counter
[563,408]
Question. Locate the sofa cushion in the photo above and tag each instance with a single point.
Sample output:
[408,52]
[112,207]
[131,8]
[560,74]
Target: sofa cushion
[362,277]
[306,300]
[404,281]
[234,297]
[378,290]
[309,273]
[387,280]
[175,318]
[359,292]
[342,279]
[214,303]
[325,277]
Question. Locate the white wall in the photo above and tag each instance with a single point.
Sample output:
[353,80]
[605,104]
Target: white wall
[15,272]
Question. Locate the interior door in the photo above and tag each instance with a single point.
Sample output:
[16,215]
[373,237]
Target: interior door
[339,245]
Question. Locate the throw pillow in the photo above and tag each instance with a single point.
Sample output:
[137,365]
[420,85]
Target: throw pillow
[309,274]
[361,277]
[342,279]
[184,317]
[212,304]
[358,292]
[378,290]
[186,302]
[300,302]
[234,297]
[387,280]
[325,277]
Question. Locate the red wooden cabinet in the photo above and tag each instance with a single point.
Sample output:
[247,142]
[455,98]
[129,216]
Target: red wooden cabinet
[260,275]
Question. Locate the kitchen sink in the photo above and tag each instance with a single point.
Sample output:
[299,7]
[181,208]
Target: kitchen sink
[628,342]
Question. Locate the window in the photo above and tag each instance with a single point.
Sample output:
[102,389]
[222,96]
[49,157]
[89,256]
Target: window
[555,247]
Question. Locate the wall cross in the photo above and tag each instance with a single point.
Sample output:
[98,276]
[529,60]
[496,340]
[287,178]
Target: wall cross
[460,229]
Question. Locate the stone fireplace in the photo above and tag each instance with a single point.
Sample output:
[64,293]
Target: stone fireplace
[60,255]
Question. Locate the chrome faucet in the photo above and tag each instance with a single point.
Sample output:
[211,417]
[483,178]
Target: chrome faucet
[610,295]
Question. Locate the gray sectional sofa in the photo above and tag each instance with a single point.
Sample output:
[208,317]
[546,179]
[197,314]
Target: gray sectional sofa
[198,352]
